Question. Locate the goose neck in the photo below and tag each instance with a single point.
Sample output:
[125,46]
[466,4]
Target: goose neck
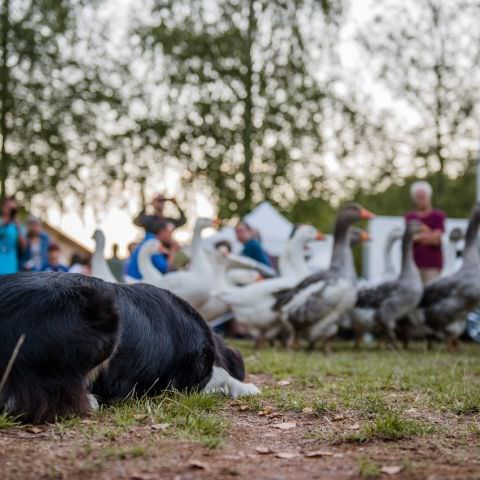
[471,248]
[409,267]
[342,257]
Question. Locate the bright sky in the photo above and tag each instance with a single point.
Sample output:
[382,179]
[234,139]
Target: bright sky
[117,222]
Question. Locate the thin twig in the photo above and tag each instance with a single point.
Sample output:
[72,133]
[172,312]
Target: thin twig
[7,371]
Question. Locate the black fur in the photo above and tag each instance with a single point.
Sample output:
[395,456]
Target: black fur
[152,339]
[229,359]
[165,344]
[71,326]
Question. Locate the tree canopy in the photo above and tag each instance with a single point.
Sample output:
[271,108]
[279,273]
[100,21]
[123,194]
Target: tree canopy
[297,102]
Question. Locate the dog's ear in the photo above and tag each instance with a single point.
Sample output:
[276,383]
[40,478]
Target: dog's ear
[229,358]
[235,363]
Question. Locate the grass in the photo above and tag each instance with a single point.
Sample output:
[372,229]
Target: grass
[389,425]
[6,421]
[388,395]
[386,392]
[124,453]
[368,469]
[367,380]
[193,416]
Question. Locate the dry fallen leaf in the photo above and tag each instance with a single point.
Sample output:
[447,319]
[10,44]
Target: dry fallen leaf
[266,411]
[284,425]
[393,470]
[88,421]
[243,408]
[229,472]
[235,458]
[338,418]
[283,383]
[355,426]
[34,430]
[307,410]
[198,465]
[318,453]
[140,416]
[160,426]
[264,450]
[286,455]
[275,415]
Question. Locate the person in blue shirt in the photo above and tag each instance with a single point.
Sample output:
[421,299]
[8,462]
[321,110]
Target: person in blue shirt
[164,259]
[35,255]
[252,247]
[53,264]
[12,241]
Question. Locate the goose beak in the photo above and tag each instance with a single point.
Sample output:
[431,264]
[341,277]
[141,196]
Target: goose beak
[365,236]
[366,214]
[259,278]
[320,236]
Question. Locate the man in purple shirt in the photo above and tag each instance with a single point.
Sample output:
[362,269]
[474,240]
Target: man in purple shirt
[428,244]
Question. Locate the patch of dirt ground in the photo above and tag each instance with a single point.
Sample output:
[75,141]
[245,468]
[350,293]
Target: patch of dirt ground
[272,445]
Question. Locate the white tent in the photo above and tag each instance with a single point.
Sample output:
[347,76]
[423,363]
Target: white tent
[379,229]
[273,227]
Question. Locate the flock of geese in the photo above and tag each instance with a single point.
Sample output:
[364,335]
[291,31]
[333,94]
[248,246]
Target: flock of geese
[300,307]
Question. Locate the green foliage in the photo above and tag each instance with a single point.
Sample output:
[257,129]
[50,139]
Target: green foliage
[457,198]
[425,54]
[315,211]
[256,111]
[52,94]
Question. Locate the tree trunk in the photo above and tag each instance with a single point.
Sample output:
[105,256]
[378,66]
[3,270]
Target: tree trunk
[439,102]
[4,79]
[246,203]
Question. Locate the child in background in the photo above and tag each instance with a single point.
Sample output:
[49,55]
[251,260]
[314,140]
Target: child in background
[54,264]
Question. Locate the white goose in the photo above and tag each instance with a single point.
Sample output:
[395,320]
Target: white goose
[292,261]
[393,237]
[223,263]
[193,285]
[100,268]
[253,304]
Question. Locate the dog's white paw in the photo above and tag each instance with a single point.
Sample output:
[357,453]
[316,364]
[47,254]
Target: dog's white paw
[93,402]
[244,390]
[216,389]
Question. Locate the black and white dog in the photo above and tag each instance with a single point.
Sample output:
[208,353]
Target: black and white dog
[84,336]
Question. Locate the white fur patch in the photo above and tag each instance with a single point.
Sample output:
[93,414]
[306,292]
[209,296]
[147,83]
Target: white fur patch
[93,401]
[223,382]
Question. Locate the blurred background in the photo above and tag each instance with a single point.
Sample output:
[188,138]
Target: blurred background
[226,103]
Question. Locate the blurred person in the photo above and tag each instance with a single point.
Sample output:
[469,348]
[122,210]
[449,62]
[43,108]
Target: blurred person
[12,240]
[428,244]
[80,264]
[131,247]
[164,260]
[116,264]
[147,221]
[35,255]
[53,261]
[252,246]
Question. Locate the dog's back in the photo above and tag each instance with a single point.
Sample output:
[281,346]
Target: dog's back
[71,327]
[165,344]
